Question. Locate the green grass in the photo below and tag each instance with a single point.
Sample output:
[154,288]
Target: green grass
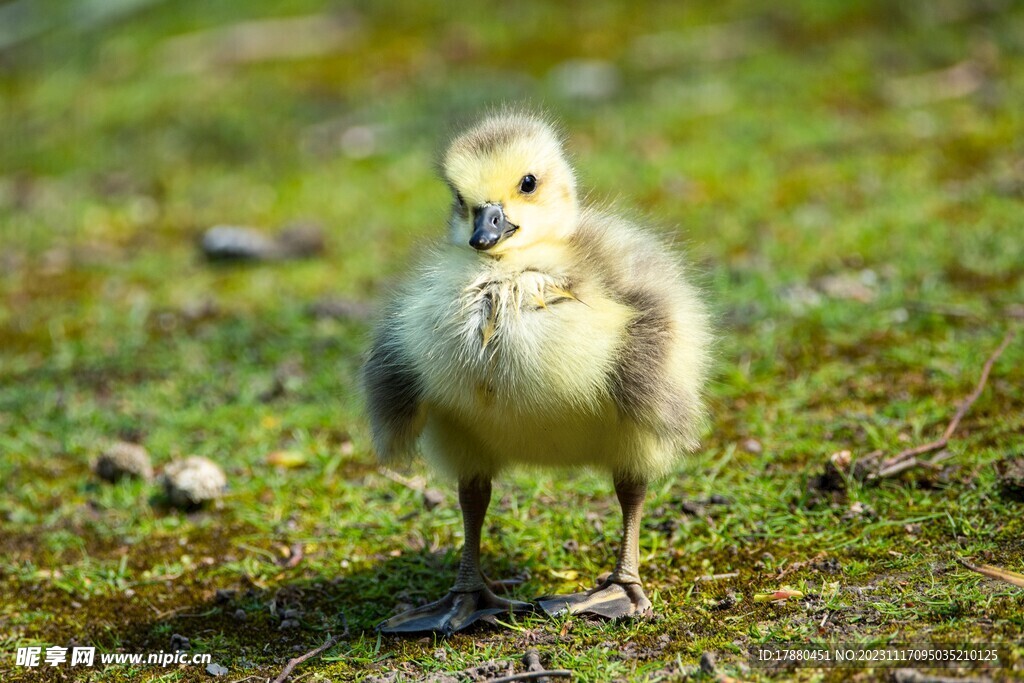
[854,217]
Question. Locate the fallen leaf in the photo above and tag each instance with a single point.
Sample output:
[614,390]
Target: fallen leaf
[781,594]
[564,574]
[287,459]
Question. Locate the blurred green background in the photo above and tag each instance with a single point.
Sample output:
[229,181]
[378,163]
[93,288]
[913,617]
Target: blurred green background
[846,178]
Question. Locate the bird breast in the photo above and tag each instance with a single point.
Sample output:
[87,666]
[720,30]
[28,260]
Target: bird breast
[493,342]
[495,307]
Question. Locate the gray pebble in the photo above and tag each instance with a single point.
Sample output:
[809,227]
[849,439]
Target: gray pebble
[586,79]
[123,459]
[432,498]
[237,243]
[216,669]
[193,481]
[240,243]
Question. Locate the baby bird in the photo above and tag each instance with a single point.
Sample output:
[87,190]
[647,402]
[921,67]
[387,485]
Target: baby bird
[542,334]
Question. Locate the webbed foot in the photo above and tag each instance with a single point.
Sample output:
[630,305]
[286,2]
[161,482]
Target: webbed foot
[609,600]
[453,612]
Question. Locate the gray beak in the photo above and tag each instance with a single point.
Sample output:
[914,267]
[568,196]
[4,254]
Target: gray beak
[489,227]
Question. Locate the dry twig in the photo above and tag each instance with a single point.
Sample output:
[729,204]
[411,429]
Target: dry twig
[994,572]
[534,671]
[717,577]
[295,661]
[908,458]
[532,675]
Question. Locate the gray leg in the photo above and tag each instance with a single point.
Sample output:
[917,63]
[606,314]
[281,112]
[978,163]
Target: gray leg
[474,499]
[469,599]
[621,594]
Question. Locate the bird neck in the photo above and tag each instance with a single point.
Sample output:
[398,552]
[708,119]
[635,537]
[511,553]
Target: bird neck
[549,256]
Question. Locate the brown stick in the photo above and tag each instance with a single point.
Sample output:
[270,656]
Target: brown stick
[295,661]
[994,572]
[530,675]
[533,666]
[907,459]
[717,577]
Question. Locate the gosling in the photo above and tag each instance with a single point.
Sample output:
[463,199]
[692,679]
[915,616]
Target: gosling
[542,334]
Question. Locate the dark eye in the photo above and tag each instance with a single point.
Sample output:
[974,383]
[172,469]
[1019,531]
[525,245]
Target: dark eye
[459,200]
[528,184]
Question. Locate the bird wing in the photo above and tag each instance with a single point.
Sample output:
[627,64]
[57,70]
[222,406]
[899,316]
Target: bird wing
[393,395]
[643,381]
[658,371]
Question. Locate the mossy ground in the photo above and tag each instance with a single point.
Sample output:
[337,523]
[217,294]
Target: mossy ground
[847,178]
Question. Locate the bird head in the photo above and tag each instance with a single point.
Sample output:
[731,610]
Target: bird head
[512,187]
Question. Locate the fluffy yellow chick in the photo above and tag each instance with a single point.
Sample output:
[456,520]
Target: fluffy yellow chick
[542,334]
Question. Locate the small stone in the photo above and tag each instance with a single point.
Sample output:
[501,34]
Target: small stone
[1010,475]
[179,642]
[359,142]
[692,508]
[841,460]
[289,624]
[857,510]
[216,669]
[586,79]
[242,243]
[193,481]
[241,615]
[727,602]
[432,498]
[222,596]
[291,614]
[850,286]
[572,546]
[122,460]
[707,663]
[237,243]
[800,298]
[753,446]
[441,655]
